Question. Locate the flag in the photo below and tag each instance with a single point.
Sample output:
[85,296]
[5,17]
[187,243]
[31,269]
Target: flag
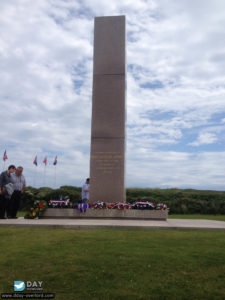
[45,160]
[35,161]
[5,156]
[55,161]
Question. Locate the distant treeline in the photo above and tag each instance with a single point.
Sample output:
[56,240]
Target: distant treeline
[179,201]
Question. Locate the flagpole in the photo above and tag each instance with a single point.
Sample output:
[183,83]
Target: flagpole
[35,173]
[55,163]
[55,178]
[44,175]
[45,162]
[4,159]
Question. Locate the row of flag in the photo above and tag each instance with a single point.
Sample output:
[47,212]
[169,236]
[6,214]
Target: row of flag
[35,162]
[45,161]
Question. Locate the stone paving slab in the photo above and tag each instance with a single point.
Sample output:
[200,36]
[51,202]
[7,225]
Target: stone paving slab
[112,223]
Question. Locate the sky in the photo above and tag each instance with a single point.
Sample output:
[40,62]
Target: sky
[175,52]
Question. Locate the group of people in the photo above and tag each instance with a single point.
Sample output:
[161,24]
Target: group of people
[12,185]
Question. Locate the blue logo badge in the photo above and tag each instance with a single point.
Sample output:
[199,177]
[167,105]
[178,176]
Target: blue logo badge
[19,286]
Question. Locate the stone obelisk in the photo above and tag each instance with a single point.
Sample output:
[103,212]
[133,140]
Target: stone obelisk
[107,162]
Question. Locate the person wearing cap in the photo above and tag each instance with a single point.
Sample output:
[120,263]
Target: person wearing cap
[6,189]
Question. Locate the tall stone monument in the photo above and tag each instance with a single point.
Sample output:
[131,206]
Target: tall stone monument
[108,127]
[107,162]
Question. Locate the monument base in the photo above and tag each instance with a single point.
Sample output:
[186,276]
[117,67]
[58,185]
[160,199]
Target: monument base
[69,213]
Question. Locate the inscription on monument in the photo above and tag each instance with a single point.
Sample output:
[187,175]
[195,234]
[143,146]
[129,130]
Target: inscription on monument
[107,162]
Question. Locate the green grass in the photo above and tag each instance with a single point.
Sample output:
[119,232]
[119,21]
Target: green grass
[198,216]
[21,213]
[115,264]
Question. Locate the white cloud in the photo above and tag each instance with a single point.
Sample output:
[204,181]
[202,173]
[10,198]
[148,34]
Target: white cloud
[204,138]
[176,169]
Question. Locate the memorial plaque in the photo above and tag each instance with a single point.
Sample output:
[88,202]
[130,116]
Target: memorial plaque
[107,161]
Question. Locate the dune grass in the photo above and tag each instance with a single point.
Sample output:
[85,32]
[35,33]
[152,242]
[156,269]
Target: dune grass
[115,264]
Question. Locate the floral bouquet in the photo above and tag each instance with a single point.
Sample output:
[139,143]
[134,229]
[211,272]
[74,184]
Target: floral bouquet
[143,205]
[99,205]
[119,205]
[37,210]
[148,205]
[161,206]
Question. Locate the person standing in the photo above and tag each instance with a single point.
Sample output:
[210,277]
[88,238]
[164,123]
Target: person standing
[19,184]
[5,194]
[85,191]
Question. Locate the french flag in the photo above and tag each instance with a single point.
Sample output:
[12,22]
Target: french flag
[5,156]
[35,161]
[55,161]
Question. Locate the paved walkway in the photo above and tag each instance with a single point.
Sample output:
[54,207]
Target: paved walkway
[116,223]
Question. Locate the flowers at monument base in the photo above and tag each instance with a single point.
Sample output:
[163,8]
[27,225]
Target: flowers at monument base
[119,205]
[98,205]
[103,205]
[36,210]
[59,203]
[161,206]
[149,205]
[143,205]
[122,206]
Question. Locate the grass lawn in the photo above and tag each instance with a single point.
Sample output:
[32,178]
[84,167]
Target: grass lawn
[115,264]
[21,213]
[198,216]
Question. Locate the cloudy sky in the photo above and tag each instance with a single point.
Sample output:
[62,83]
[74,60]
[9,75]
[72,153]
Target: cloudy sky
[175,89]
